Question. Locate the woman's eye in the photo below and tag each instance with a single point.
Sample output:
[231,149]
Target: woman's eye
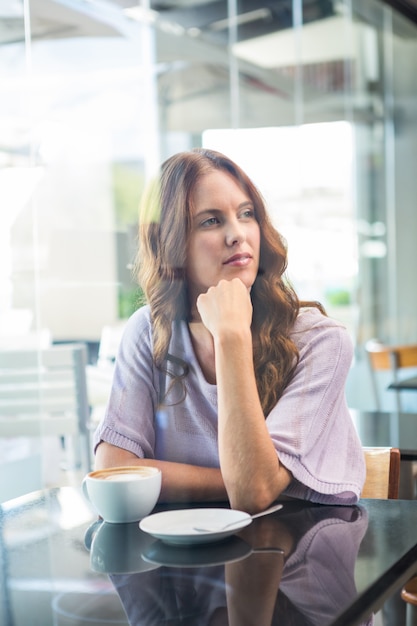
[248,214]
[211,221]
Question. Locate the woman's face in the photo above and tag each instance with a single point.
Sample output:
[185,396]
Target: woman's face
[224,241]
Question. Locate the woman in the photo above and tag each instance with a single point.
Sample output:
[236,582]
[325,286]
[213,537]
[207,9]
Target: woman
[225,380]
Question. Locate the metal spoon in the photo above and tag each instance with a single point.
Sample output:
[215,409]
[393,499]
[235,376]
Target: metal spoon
[216,528]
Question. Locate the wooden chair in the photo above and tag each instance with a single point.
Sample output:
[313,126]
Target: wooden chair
[389,358]
[409,595]
[383,481]
[43,393]
[382,473]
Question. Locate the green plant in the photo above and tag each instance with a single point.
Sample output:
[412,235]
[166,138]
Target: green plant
[130,299]
[338,297]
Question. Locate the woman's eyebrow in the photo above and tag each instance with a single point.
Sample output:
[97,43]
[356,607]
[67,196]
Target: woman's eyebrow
[204,212]
[246,203]
[211,211]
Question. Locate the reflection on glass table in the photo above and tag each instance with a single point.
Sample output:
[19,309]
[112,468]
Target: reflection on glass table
[324,565]
[297,567]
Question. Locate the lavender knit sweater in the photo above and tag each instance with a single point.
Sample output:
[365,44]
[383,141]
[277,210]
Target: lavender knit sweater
[310,426]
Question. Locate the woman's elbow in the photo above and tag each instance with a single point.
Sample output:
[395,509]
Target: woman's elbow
[108,455]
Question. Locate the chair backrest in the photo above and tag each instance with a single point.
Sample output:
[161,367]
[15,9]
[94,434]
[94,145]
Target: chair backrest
[44,392]
[409,593]
[383,357]
[393,358]
[382,473]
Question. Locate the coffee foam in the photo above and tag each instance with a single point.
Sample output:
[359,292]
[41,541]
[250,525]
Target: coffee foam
[125,476]
[121,474]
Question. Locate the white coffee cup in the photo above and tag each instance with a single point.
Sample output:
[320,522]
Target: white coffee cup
[123,494]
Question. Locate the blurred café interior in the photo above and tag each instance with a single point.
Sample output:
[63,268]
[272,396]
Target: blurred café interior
[316,99]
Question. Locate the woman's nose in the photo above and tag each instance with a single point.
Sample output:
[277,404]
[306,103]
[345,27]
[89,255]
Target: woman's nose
[234,234]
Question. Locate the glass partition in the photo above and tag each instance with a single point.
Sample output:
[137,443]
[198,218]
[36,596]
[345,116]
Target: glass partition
[316,100]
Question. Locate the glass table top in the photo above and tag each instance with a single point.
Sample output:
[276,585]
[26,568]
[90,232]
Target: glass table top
[307,563]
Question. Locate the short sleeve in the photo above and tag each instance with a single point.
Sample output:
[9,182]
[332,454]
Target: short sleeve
[129,419]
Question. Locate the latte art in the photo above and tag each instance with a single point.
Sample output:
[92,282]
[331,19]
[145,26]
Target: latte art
[122,474]
[126,476]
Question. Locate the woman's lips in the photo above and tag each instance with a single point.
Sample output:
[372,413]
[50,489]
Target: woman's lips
[239,260]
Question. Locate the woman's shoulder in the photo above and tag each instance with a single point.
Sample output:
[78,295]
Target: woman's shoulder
[139,327]
[142,313]
[140,316]
[312,326]
[311,318]
[138,323]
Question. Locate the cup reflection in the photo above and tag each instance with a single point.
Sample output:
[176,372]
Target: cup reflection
[117,548]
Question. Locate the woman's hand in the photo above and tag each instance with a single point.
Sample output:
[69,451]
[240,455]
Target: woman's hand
[226,307]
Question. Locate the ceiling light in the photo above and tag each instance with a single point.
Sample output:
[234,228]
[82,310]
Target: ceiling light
[139,14]
[243,18]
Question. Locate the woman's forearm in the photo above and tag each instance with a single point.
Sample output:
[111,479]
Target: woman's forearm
[252,587]
[252,473]
[250,466]
[180,482]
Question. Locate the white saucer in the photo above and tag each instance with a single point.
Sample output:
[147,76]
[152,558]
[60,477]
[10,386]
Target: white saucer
[178,527]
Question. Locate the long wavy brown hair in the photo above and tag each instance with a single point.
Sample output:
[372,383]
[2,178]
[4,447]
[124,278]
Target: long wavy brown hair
[164,226]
